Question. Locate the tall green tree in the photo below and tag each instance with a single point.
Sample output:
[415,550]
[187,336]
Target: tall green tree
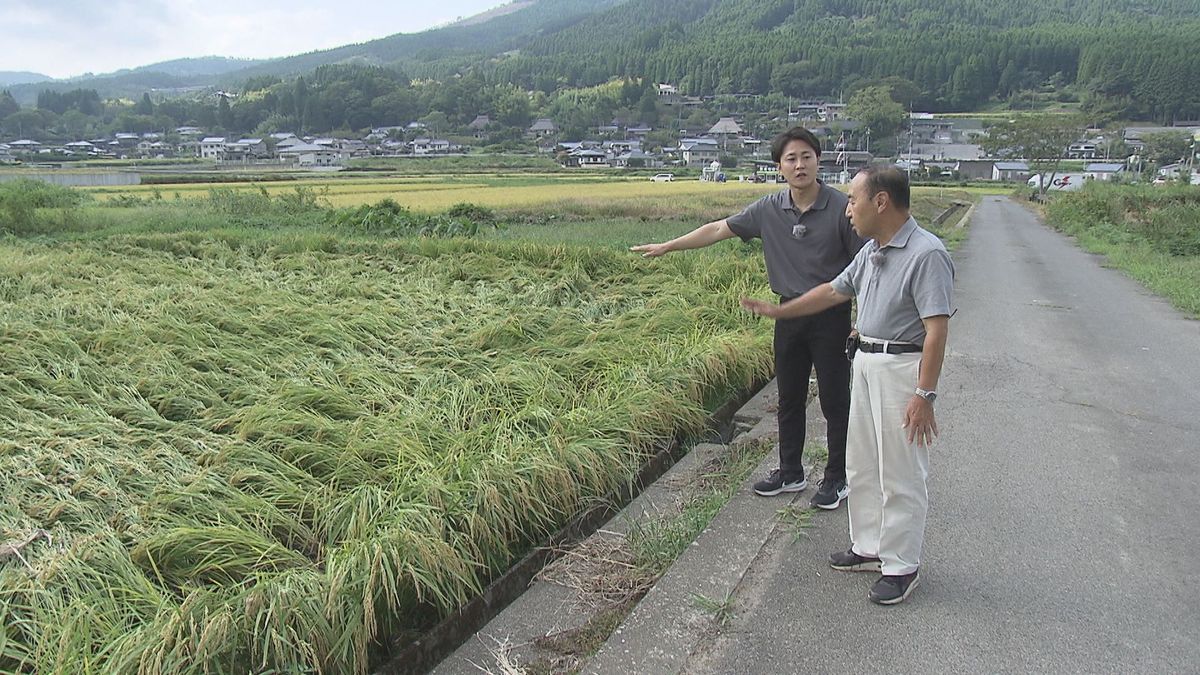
[224,114]
[874,107]
[1167,147]
[1041,140]
[144,106]
[8,104]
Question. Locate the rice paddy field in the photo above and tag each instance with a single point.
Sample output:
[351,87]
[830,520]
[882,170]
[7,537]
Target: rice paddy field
[231,448]
[499,191]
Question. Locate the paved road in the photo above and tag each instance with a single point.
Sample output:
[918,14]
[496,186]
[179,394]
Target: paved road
[1065,491]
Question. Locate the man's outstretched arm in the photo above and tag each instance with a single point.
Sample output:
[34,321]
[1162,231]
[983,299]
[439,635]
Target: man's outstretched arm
[816,300]
[705,235]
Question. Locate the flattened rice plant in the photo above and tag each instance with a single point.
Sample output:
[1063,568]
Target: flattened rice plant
[258,452]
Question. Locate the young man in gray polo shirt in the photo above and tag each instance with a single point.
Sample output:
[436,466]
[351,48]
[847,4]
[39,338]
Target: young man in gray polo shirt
[807,240]
[904,281]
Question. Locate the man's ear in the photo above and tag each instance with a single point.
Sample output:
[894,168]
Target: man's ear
[881,201]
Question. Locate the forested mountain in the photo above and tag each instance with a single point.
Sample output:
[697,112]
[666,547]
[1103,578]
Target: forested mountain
[454,46]
[1118,59]
[8,77]
[194,67]
[956,54]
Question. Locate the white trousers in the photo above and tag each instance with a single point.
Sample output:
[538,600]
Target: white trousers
[886,474]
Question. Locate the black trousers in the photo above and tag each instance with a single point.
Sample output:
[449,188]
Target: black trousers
[800,344]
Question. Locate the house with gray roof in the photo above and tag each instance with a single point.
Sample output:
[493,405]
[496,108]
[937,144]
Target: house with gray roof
[698,152]
[585,158]
[1018,171]
[543,127]
[254,147]
[974,169]
[1103,170]
[212,147]
[636,158]
[310,155]
[726,126]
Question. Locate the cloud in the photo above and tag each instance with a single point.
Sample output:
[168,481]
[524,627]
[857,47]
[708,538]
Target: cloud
[63,38]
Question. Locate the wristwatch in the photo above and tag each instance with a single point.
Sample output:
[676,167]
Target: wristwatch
[930,396]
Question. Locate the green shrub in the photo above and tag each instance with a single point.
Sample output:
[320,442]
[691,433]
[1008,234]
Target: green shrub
[1163,218]
[388,218]
[472,212]
[21,199]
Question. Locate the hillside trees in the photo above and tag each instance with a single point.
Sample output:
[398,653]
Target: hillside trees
[86,101]
[8,105]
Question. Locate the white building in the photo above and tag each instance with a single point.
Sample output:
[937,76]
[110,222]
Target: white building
[212,147]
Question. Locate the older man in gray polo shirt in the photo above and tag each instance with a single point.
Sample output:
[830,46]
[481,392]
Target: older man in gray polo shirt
[904,281]
[807,240]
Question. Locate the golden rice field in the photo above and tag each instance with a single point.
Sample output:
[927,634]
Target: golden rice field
[423,194]
[524,192]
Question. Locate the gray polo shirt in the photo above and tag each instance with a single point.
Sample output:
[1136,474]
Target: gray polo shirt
[802,250]
[910,279]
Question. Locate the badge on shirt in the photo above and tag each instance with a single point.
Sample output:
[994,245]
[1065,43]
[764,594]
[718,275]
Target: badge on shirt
[799,230]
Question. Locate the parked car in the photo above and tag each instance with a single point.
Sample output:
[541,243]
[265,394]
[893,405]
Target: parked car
[663,177]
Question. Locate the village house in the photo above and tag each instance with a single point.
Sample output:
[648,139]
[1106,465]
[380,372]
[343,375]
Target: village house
[635,158]
[24,146]
[1103,170]
[974,169]
[1081,150]
[80,148]
[543,127]
[1018,171]
[290,141]
[429,146]
[150,148]
[310,155]
[698,152]
[840,167]
[587,158]
[212,147]
[252,148]
[479,126]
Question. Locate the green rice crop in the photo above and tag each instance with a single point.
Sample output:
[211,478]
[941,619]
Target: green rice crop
[279,450]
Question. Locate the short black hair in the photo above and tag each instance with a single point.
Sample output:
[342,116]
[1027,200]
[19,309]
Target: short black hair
[890,179]
[794,134]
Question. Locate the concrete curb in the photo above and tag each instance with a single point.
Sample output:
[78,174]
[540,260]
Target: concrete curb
[966,217]
[669,624]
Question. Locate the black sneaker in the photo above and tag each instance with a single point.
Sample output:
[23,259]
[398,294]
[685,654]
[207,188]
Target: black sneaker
[849,561]
[776,482]
[830,494]
[892,590]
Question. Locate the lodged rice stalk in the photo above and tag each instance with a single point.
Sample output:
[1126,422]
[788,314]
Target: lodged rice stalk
[280,452]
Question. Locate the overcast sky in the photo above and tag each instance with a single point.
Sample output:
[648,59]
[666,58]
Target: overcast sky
[64,38]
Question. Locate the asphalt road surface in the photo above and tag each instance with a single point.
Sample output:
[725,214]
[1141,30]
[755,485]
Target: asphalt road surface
[1064,526]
